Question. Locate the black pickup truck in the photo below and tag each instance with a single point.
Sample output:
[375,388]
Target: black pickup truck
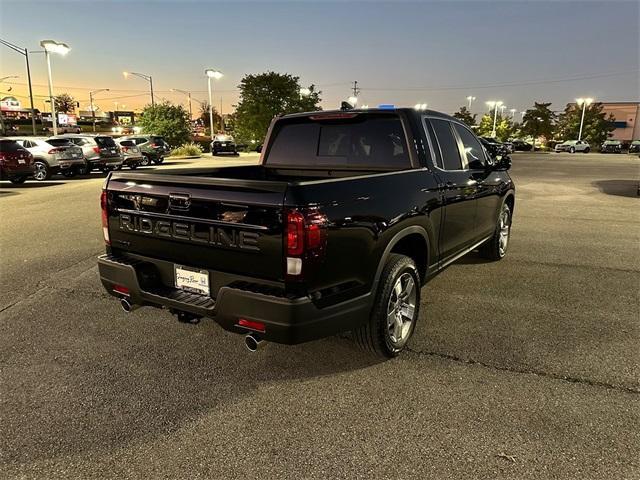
[347,216]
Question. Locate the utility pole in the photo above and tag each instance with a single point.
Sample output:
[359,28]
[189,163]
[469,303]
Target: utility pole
[356,90]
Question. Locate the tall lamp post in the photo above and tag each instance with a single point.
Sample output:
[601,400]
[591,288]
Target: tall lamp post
[25,52]
[583,102]
[188,94]
[513,113]
[51,46]
[93,108]
[148,78]
[470,99]
[211,73]
[495,105]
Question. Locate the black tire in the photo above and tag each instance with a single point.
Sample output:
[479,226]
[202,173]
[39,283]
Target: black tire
[376,334]
[42,171]
[84,169]
[133,166]
[572,150]
[214,152]
[587,150]
[494,248]
[145,161]
[69,173]
[158,160]
[18,180]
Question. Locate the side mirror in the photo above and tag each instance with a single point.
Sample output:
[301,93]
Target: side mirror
[503,162]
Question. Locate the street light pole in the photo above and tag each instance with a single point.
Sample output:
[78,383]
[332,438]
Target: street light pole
[148,78]
[470,99]
[93,109]
[52,103]
[56,47]
[583,102]
[495,106]
[25,52]
[188,94]
[210,73]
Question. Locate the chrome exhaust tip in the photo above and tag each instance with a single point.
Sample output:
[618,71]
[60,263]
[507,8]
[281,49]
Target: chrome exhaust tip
[127,306]
[253,342]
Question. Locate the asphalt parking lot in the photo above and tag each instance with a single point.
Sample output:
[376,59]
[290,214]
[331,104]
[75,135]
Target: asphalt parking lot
[525,368]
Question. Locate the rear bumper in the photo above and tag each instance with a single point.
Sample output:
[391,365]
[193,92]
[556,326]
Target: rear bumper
[65,164]
[287,320]
[10,171]
[106,161]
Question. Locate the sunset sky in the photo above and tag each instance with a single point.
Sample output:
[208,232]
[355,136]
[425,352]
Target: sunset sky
[401,53]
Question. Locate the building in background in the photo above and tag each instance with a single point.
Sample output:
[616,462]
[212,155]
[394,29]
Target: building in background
[626,120]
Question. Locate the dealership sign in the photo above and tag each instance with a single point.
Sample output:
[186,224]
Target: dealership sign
[10,104]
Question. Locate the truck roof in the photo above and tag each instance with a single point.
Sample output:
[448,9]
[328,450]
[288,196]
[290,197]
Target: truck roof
[409,110]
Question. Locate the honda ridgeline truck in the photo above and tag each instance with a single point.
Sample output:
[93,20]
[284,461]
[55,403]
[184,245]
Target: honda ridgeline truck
[347,216]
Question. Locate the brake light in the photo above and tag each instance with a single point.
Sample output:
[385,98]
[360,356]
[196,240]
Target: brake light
[295,233]
[306,238]
[56,150]
[96,149]
[104,206]
[252,325]
[2,157]
[121,289]
[125,149]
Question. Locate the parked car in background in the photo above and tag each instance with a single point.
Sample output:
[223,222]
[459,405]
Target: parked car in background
[223,144]
[573,146]
[494,147]
[153,147]
[131,152]
[100,152]
[16,162]
[521,146]
[52,155]
[611,146]
[509,146]
[634,147]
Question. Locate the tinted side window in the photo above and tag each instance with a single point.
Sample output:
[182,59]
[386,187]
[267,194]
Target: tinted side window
[448,144]
[472,148]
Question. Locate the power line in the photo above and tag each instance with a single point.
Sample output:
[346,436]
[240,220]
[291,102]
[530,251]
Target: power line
[506,84]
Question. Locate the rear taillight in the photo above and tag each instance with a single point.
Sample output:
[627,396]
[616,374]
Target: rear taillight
[125,149]
[56,150]
[2,157]
[96,149]
[104,206]
[306,234]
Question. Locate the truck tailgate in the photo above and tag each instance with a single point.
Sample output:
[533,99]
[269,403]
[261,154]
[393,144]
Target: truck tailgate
[228,225]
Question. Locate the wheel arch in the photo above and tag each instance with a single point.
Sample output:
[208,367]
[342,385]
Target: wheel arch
[412,241]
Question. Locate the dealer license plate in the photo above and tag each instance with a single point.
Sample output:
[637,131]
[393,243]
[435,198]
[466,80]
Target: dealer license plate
[192,279]
[21,161]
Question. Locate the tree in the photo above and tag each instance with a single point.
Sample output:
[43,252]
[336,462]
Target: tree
[466,117]
[265,95]
[505,128]
[65,103]
[204,116]
[168,120]
[538,122]
[596,125]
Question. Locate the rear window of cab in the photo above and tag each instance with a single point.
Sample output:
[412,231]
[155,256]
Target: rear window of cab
[339,141]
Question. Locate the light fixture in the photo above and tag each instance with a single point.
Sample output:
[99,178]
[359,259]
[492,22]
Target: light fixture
[52,46]
[215,74]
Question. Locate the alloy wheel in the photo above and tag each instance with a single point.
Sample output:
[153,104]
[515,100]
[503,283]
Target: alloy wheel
[504,225]
[401,309]
[40,172]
